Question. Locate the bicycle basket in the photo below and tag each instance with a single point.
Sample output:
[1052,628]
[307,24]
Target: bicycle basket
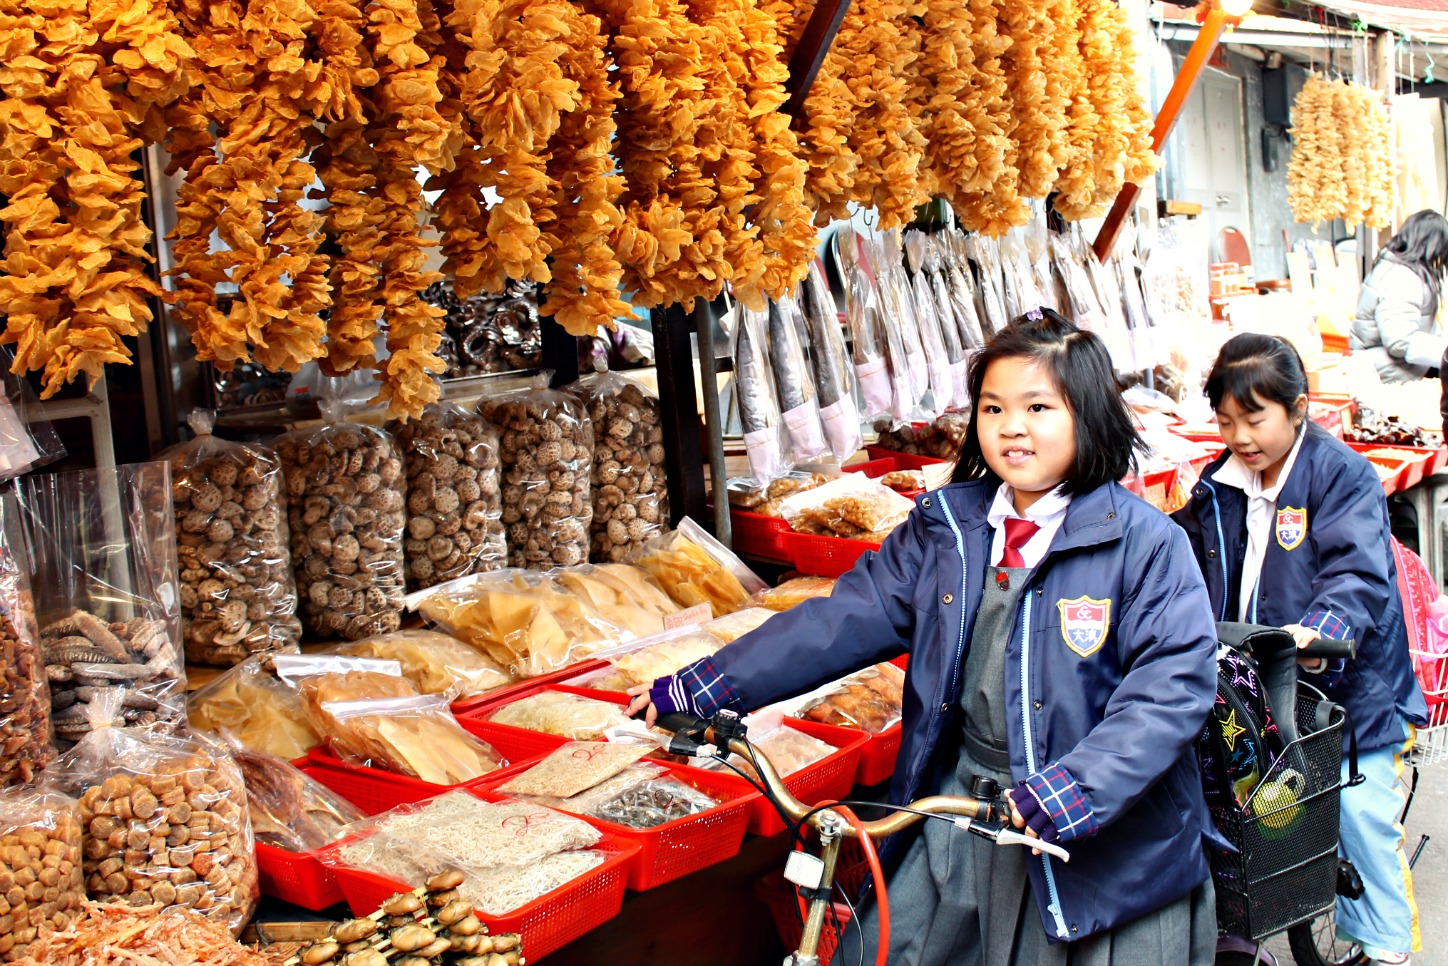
[1284,871]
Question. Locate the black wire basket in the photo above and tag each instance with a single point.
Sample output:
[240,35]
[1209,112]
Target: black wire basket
[1285,869]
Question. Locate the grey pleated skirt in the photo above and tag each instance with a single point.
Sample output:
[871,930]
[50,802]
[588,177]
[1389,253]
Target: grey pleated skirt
[958,900]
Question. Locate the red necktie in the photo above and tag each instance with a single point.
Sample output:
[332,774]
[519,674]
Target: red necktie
[1017,533]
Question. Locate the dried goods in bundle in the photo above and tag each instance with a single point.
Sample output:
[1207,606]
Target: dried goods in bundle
[1076,180]
[660,61]
[79,83]
[1038,101]
[584,292]
[1377,145]
[990,200]
[785,222]
[1316,186]
[120,934]
[246,183]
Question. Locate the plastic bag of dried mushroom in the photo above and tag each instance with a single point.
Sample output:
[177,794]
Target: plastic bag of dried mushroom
[165,822]
[630,493]
[454,498]
[102,549]
[346,510]
[546,447]
[237,592]
[25,732]
[41,884]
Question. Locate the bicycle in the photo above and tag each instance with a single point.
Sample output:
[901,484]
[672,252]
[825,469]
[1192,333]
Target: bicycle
[814,876]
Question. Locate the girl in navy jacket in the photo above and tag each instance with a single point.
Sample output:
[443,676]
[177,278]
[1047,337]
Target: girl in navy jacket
[1290,528]
[1060,641]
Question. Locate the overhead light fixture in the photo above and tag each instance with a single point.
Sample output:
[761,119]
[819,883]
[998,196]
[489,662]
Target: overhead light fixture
[1236,8]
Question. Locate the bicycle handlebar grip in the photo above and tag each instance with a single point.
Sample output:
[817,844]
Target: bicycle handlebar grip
[680,721]
[1330,648]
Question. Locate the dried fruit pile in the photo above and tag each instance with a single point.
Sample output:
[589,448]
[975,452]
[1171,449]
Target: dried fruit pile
[614,152]
[1342,155]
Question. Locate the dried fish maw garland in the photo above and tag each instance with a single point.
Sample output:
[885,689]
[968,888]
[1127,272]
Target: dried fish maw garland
[408,92]
[990,201]
[1076,181]
[1038,104]
[1123,153]
[78,84]
[833,163]
[1332,176]
[246,184]
[786,228]
[584,292]
[1376,143]
[657,52]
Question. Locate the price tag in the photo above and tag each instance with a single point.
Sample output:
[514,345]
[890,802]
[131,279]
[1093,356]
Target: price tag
[694,616]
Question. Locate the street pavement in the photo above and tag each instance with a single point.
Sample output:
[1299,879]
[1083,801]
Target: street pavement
[1428,815]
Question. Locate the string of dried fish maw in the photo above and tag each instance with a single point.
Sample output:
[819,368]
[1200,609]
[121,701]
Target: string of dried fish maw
[830,109]
[1348,115]
[725,138]
[656,51]
[247,185]
[891,149]
[790,18]
[1076,182]
[786,228]
[1315,184]
[1037,98]
[941,84]
[408,92]
[78,84]
[1123,136]
[990,201]
[1376,143]
[584,292]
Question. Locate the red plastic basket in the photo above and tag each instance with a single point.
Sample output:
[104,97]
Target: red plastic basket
[296,877]
[779,896]
[1418,461]
[501,695]
[819,556]
[895,463]
[906,461]
[548,922]
[674,849]
[757,535]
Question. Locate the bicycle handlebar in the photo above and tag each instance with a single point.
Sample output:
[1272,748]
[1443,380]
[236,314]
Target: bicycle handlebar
[971,813]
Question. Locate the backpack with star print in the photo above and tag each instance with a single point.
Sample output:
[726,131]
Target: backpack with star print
[1240,741]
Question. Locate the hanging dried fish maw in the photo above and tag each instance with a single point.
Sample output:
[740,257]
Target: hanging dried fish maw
[1038,102]
[78,84]
[990,200]
[584,292]
[1076,182]
[1122,151]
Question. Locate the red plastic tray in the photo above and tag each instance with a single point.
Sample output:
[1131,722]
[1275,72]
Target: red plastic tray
[501,694]
[296,877]
[758,535]
[818,556]
[548,922]
[674,849]
[1419,461]
[907,461]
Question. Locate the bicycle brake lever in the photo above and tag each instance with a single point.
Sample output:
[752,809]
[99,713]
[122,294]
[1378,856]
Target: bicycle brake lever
[1009,837]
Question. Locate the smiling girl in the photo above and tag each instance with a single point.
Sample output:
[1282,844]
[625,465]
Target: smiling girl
[1061,642]
[1290,528]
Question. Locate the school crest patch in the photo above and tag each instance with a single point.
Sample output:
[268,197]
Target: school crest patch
[1084,622]
[1291,527]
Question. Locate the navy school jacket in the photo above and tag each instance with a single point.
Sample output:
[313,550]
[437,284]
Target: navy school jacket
[1106,703]
[1330,567]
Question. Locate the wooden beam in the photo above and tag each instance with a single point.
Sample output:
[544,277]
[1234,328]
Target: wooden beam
[1203,47]
[814,43]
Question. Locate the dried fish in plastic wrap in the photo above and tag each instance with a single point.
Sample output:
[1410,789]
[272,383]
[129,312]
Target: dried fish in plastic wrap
[862,314]
[798,399]
[1022,293]
[943,350]
[899,317]
[834,378]
[955,287]
[754,391]
[984,254]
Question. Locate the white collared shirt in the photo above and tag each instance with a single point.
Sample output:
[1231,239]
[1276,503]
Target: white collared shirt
[1048,513]
[1261,506]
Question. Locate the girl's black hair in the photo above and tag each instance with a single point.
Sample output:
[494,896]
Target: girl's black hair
[1422,245]
[1106,436]
[1253,367]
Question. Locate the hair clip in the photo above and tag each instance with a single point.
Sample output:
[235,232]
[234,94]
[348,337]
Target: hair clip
[1035,315]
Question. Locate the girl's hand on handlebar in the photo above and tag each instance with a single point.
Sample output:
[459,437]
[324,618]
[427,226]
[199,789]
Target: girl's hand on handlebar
[641,702]
[1019,820]
[1304,636]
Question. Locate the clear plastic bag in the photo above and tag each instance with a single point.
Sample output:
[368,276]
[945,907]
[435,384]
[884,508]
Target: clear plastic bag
[416,736]
[26,737]
[955,283]
[899,317]
[454,495]
[834,376]
[166,821]
[573,768]
[531,623]
[102,556]
[648,659]
[289,809]
[563,714]
[938,315]
[26,444]
[256,709]
[794,380]
[625,596]
[754,393]
[630,488]
[238,596]
[41,837]
[792,593]
[547,452]
[346,509]
[787,749]
[994,307]
[871,351]
[435,663]
[851,506]
[870,700]
[694,568]
[731,627]
[641,797]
